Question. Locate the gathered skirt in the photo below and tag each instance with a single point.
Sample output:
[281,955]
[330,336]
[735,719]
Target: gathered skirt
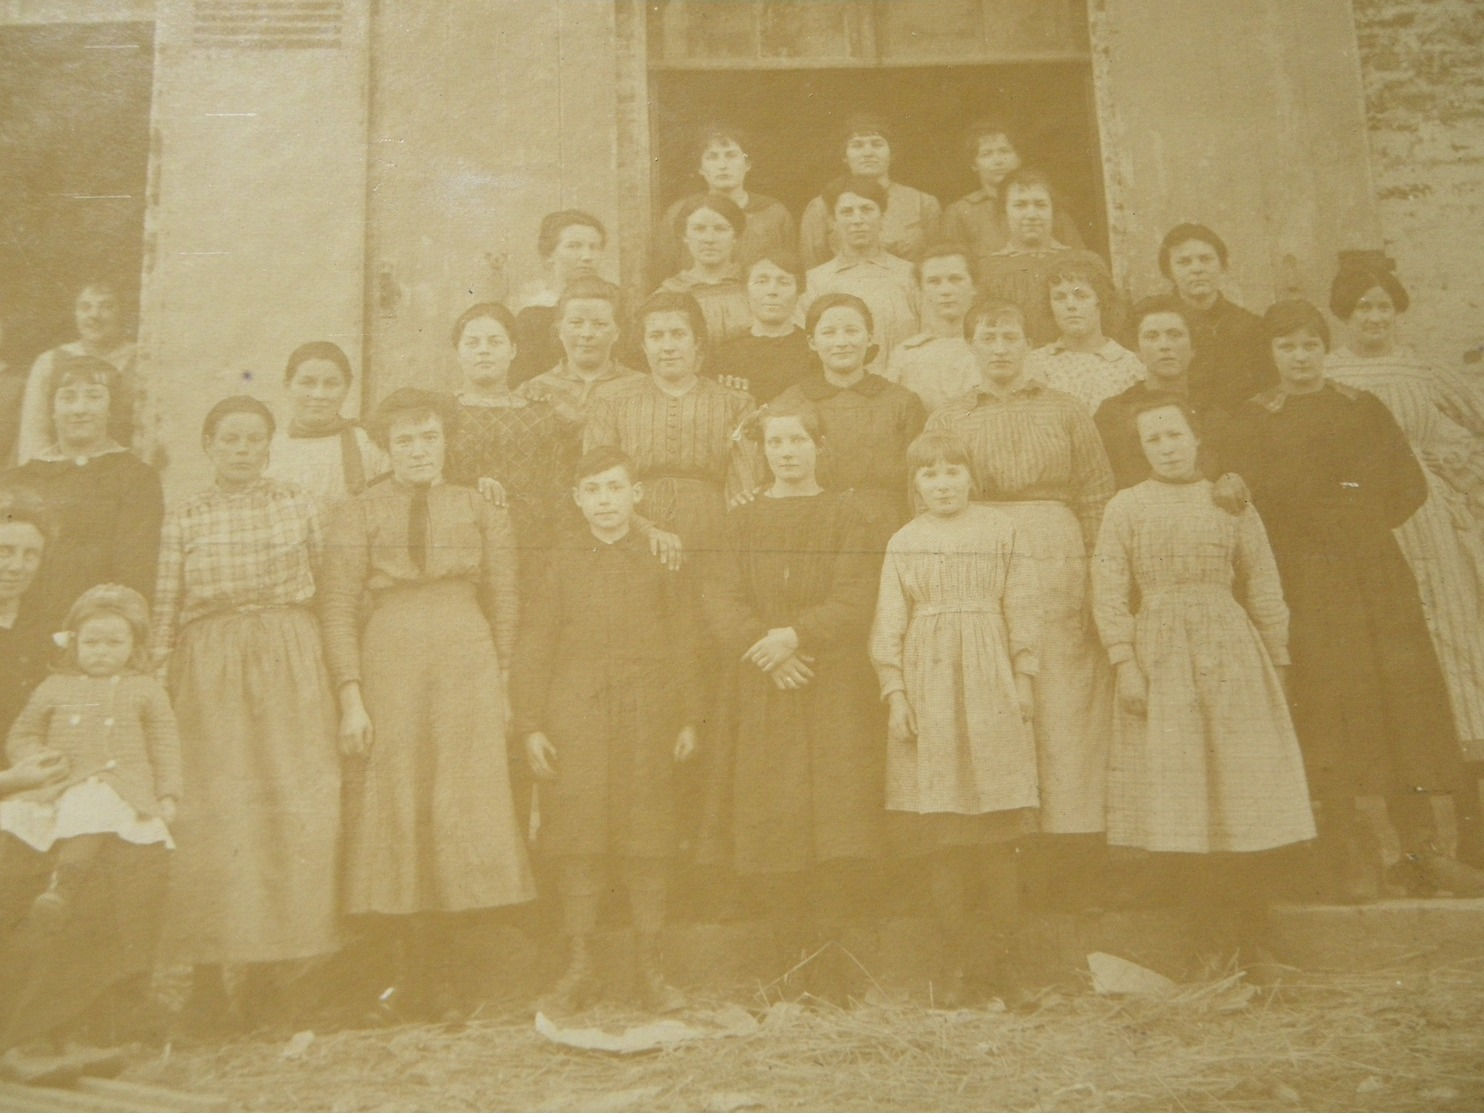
[254,876]
[430,821]
[1074,688]
[1214,765]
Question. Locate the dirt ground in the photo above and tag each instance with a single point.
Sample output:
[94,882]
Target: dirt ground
[1401,1041]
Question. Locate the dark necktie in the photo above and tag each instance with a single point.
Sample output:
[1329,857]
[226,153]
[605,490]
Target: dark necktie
[417,528]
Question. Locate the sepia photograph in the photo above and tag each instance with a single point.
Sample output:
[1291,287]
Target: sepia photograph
[741,555]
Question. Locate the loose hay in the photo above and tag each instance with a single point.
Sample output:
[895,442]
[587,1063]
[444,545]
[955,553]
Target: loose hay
[1405,1041]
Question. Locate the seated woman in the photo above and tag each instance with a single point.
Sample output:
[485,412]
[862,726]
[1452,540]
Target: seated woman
[1017,272]
[797,784]
[102,334]
[431,836]
[321,451]
[1333,476]
[723,163]
[911,216]
[107,504]
[89,972]
[977,220]
[570,244]
[711,227]
[1084,362]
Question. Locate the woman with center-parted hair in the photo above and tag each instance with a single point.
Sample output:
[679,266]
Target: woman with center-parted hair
[570,243]
[795,790]
[679,427]
[258,831]
[711,227]
[107,504]
[320,450]
[911,220]
[431,835]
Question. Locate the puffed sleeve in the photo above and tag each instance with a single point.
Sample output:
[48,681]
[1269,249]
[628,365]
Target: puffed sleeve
[1396,475]
[1458,400]
[889,627]
[347,566]
[1112,579]
[162,739]
[845,613]
[498,571]
[1258,586]
[169,588]
[1024,612]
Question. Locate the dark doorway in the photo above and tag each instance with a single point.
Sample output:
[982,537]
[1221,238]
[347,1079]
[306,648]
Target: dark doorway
[793,118]
[74,158]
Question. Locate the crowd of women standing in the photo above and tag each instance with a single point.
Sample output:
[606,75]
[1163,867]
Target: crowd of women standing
[948,574]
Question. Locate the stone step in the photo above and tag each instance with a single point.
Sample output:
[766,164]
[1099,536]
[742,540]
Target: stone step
[1390,934]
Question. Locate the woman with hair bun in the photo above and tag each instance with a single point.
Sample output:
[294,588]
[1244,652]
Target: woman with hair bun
[1443,541]
[254,882]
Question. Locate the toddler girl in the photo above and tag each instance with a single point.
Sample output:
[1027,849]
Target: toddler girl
[109,718]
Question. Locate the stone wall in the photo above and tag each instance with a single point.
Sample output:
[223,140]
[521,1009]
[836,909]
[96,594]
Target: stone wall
[1423,67]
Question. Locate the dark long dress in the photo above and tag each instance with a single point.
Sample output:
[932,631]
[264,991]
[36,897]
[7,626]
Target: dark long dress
[108,511]
[606,666]
[867,428]
[800,775]
[1331,474]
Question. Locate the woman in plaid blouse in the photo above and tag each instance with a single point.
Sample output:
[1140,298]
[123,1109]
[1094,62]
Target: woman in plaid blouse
[254,880]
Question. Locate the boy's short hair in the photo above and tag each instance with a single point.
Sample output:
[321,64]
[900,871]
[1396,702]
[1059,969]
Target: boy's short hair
[992,310]
[600,459]
[862,185]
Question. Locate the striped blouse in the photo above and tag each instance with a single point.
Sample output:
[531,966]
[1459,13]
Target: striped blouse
[1033,443]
